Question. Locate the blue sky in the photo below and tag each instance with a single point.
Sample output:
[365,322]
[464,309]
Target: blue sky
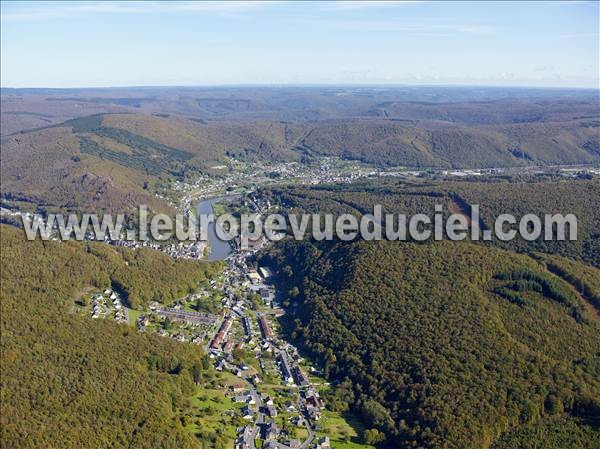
[79,44]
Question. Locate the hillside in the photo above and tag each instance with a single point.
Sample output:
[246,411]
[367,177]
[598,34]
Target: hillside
[470,349]
[25,109]
[115,161]
[495,196]
[110,149]
[540,197]
[438,145]
[69,381]
[46,169]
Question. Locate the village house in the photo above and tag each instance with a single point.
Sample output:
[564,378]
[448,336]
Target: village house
[241,397]
[294,444]
[324,443]
[313,413]
[248,413]
[298,421]
[237,387]
[240,443]
[255,379]
[271,411]
[271,432]
[290,407]
[313,398]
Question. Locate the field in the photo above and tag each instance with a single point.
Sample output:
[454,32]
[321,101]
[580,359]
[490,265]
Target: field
[211,414]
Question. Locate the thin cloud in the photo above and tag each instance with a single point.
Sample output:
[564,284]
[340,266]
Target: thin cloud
[425,28]
[571,2]
[575,35]
[63,10]
[358,5]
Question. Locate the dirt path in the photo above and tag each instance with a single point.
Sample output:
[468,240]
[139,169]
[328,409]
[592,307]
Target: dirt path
[455,208]
[585,300]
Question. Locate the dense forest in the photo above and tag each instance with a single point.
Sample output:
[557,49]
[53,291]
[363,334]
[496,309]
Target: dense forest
[500,195]
[69,381]
[433,352]
[25,109]
[454,344]
[540,197]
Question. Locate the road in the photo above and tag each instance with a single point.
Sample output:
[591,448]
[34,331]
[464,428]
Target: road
[252,431]
[260,419]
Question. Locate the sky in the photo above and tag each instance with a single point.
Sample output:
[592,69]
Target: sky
[98,44]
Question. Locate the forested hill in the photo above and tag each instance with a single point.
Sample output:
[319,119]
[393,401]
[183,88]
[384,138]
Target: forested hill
[24,109]
[449,345]
[68,381]
[105,149]
[494,196]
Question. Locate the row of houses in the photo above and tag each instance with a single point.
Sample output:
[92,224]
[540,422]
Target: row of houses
[101,306]
[188,316]
[284,366]
[290,371]
[265,327]
[299,376]
[246,324]
[244,436]
[223,330]
[313,403]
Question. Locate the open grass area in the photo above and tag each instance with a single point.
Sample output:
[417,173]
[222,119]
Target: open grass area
[336,444]
[133,316]
[213,417]
[213,399]
[226,379]
[343,431]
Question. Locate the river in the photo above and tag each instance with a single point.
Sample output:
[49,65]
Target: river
[218,249]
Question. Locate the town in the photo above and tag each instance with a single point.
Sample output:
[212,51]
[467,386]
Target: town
[272,389]
[243,340]
[239,179]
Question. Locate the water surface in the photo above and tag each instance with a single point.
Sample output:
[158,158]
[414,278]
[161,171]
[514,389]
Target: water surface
[218,249]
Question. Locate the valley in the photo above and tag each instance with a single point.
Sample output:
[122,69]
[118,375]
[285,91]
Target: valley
[300,224]
[304,344]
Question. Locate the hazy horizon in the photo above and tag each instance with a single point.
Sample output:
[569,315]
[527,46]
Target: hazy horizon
[304,85]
